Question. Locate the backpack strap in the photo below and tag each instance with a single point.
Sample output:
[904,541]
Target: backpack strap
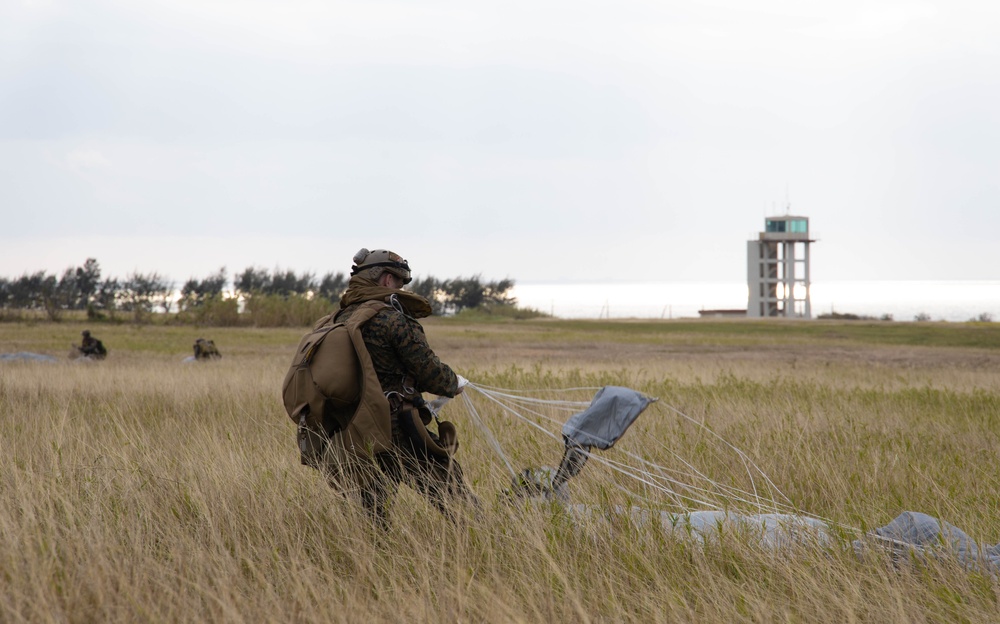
[363,314]
[370,429]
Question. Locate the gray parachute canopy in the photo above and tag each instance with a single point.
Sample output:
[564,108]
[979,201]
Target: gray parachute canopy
[611,413]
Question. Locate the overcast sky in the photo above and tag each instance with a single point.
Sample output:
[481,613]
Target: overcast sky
[541,141]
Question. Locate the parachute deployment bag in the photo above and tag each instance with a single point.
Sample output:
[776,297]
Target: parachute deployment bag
[328,385]
[413,421]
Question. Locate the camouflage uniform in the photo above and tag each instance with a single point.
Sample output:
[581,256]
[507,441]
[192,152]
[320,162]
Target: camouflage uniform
[93,348]
[405,364]
[403,360]
[206,350]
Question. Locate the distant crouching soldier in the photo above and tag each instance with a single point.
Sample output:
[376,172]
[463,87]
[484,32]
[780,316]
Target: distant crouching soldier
[91,347]
[206,350]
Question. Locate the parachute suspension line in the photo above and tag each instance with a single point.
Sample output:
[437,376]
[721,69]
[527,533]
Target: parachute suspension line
[648,479]
[523,400]
[747,462]
[677,499]
[778,507]
[724,490]
[533,413]
[508,409]
[496,389]
[644,477]
[691,488]
[530,408]
[491,439]
[507,400]
[713,488]
[639,475]
[564,407]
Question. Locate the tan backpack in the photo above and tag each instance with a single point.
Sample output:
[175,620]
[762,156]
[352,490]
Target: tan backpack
[331,387]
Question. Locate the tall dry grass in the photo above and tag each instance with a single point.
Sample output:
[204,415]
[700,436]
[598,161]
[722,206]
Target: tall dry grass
[142,489]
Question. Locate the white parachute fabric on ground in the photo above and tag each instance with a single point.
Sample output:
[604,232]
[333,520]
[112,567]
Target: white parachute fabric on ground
[611,413]
[25,356]
[772,531]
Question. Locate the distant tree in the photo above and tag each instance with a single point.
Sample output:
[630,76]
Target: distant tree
[61,295]
[190,295]
[197,292]
[40,291]
[498,293]
[88,279]
[461,293]
[283,294]
[430,288]
[985,317]
[50,297]
[466,293]
[72,291]
[288,283]
[282,284]
[140,293]
[28,291]
[105,298]
[922,317]
[332,286]
[164,295]
[251,281]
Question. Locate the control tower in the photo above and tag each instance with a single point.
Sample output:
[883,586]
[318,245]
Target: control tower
[778,269]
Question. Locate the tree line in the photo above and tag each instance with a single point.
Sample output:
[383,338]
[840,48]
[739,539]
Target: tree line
[257,296]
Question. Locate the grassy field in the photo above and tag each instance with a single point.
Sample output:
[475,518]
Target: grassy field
[144,489]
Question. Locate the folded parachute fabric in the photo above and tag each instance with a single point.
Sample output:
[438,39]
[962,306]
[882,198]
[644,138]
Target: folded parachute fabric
[611,413]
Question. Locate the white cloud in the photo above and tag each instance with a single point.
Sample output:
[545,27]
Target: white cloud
[84,160]
[492,126]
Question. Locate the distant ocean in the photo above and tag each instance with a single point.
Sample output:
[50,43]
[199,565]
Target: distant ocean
[903,300]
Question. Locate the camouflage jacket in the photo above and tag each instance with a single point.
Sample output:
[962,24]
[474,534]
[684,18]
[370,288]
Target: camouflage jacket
[94,347]
[401,355]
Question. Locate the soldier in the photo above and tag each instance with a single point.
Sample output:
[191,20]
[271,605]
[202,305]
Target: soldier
[206,350]
[91,347]
[406,367]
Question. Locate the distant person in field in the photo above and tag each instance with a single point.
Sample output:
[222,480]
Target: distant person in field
[91,347]
[406,367]
[206,350]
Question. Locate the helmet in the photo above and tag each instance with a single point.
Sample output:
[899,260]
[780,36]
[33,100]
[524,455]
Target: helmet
[85,333]
[380,261]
